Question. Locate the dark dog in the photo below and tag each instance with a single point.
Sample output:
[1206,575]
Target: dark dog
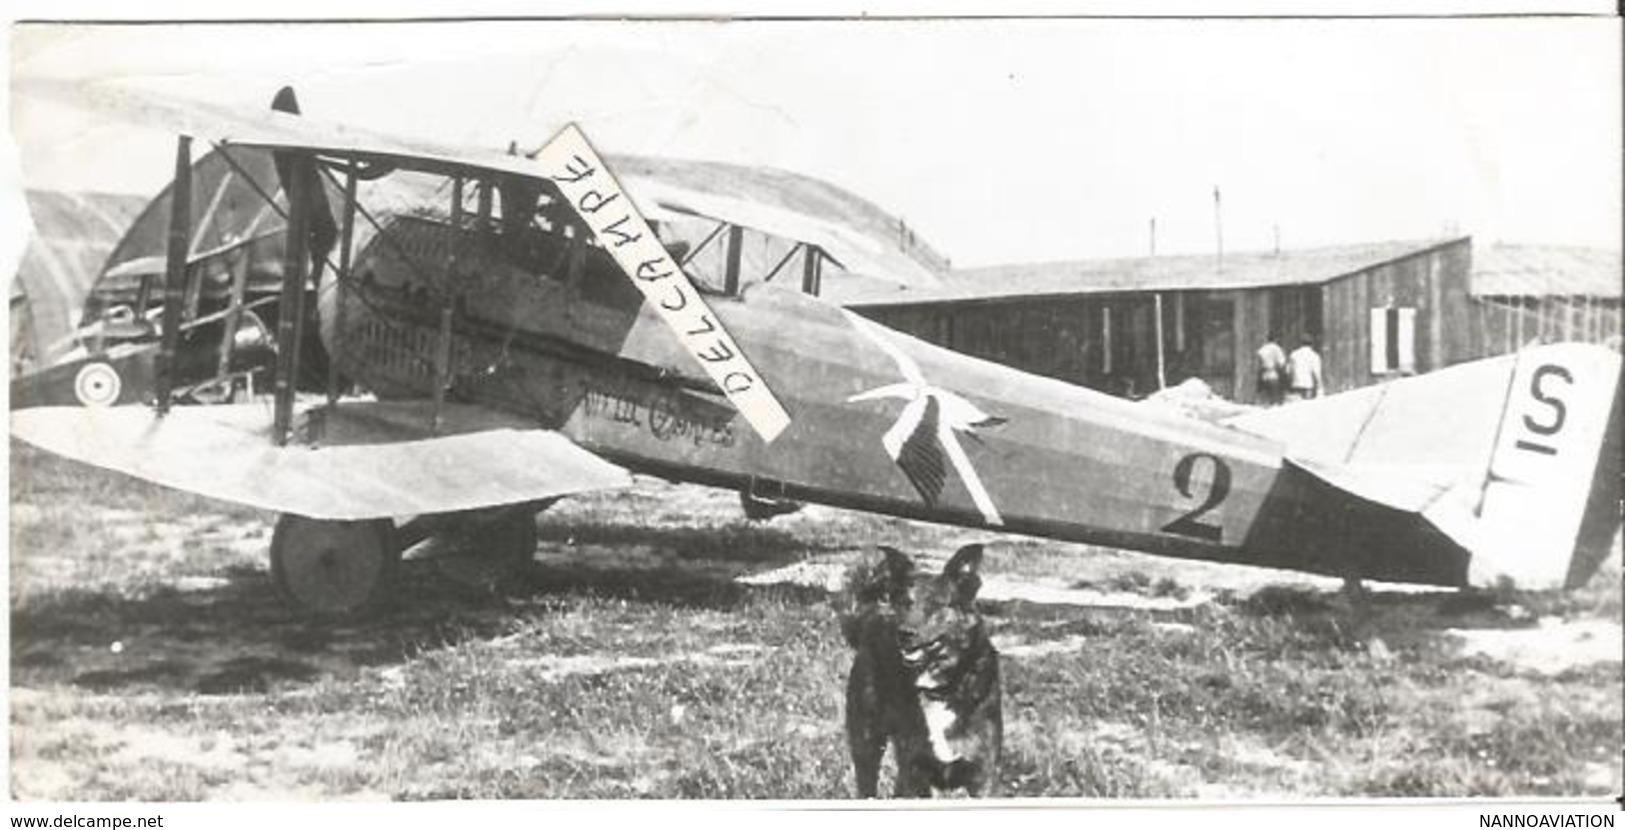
[925,676]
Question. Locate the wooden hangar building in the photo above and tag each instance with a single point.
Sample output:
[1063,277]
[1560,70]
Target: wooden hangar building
[1549,293]
[1375,311]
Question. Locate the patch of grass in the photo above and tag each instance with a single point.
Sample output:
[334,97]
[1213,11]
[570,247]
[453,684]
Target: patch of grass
[629,663]
[1134,582]
[795,769]
[1167,587]
[732,541]
[1286,600]
[1048,770]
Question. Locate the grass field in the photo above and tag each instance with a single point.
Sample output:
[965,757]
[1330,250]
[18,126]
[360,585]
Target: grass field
[150,660]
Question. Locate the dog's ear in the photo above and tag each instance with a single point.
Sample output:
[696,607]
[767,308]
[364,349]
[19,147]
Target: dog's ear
[964,570]
[899,568]
[865,578]
[879,575]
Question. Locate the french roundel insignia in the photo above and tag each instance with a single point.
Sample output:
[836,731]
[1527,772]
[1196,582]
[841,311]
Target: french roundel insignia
[97,384]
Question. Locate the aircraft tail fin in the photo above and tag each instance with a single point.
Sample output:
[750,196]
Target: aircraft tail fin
[1547,505]
[1517,458]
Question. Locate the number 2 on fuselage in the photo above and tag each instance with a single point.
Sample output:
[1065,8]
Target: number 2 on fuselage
[1218,488]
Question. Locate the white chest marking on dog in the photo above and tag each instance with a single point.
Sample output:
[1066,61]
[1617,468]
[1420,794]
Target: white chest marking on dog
[938,720]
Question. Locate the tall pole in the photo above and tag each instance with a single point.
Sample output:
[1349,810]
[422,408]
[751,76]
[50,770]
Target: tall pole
[1517,336]
[1162,365]
[1218,227]
[180,221]
[1153,236]
[1509,341]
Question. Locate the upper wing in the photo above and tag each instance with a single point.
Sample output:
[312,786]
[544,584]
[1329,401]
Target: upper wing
[274,130]
[357,461]
[271,130]
[856,252]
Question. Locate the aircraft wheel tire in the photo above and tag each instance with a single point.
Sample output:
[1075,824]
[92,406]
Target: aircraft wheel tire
[332,569]
[492,553]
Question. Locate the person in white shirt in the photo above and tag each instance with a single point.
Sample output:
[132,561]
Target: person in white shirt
[1271,371]
[1303,367]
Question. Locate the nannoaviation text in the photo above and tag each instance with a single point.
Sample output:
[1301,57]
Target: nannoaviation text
[1549,820]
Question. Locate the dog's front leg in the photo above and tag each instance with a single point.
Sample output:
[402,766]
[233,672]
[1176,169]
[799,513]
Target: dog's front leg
[914,768]
[984,780]
[990,720]
[865,734]
[867,749]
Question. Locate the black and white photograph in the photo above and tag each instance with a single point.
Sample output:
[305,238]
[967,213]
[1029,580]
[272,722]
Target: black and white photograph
[1152,411]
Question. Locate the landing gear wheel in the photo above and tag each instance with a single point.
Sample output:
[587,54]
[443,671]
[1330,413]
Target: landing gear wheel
[333,568]
[491,553]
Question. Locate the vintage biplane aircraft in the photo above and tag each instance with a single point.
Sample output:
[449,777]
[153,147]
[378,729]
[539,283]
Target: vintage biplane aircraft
[501,330]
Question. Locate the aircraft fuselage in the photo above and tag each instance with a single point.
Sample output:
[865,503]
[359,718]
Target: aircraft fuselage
[545,327]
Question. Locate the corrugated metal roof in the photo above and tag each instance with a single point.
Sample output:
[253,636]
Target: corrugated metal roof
[1546,270]
[73,234]
[1159,273]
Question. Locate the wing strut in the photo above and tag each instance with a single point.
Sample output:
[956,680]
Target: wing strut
[341,277]
[812,271]
[290,314]
[180,221]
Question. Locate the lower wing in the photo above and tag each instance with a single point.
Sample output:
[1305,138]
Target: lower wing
[1516,458]
[359,460]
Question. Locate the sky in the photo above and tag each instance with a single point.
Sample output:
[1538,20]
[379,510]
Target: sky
[997,141]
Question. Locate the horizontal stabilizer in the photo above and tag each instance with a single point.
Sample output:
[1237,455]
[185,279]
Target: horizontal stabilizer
[361,460]
[1443,422]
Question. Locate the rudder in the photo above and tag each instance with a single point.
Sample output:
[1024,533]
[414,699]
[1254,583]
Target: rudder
[1548,503]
